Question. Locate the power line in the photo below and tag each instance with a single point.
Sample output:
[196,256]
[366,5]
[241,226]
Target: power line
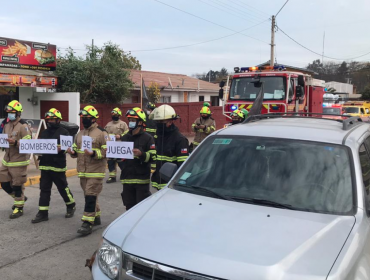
[319,53]
[199,43]
[219,25]
[282,8]
[231,13]
[247,5]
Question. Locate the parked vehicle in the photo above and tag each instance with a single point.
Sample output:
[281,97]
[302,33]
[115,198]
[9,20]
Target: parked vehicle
[278,197]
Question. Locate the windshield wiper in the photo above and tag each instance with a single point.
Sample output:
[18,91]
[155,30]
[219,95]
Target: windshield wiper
[216,194]
[264,202]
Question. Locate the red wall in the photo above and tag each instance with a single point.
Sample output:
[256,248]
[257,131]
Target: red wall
[188,113]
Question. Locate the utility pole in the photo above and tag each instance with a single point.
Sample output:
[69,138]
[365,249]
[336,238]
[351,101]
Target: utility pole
[323,49]
[272,57]
[92,49]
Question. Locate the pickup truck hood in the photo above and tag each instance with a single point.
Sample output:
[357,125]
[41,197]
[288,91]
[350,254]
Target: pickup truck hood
[231,240]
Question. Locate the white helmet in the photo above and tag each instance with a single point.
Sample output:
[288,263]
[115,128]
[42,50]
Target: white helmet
[163,112]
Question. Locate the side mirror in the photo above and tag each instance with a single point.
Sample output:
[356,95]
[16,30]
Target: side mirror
[301,80]
[167,171]
[221,93]
[222,84]
[299,91]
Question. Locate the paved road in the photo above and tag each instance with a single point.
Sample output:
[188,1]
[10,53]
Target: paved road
[52,250]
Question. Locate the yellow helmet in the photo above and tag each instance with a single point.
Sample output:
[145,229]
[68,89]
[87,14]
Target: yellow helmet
[205,110]
[238,113]
[116,111]
[14,106]
[53,114]
[136,113]
[89,111]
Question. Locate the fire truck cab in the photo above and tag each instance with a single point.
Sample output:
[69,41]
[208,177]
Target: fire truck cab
[283,91]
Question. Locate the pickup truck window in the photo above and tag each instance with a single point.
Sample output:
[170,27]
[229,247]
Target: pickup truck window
[365,167]
[307,176]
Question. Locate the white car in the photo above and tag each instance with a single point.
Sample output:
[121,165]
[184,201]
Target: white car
[280,198]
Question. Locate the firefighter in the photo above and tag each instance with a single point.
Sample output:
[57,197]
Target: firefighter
[238,116]
[203,126]
[171,145]
[53,170]
[116,126]
[150,125]
[135,175]
[13,171]
[90,166]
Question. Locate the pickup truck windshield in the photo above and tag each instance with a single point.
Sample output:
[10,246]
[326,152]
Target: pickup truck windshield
[305,176]
[243,88]
[353,110]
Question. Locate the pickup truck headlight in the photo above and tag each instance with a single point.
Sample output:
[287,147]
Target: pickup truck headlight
[109,259]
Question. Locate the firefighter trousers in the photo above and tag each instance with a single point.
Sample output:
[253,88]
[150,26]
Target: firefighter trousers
[112,167]
[12,180]
[47,179]
[132,194]
[92,187]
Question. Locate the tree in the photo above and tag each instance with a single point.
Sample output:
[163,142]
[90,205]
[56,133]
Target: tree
[366,93]
[154,93]
[213,76]
[101,77]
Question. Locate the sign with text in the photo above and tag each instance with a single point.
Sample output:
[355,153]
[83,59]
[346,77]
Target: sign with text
[27,55]
[86,143]
[66,142]
[120,150]
[3,142]
[38,146]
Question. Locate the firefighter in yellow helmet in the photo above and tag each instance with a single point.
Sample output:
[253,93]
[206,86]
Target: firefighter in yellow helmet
[13,171]
[53,169]
[203,126]
[113,128]
[171,145]
[135,175]
[91,164]
[238,116]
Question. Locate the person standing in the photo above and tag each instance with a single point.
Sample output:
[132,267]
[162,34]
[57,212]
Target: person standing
[203,126]
[171,145]
[53,170]
[13,170]
[114,127]
[90,166]
[135,175]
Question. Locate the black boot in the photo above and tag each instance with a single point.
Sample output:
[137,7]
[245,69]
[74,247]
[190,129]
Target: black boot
[70,211]
[111,180]
[85,229]
[25,199]
[17,212]
[41,216]
[97,221]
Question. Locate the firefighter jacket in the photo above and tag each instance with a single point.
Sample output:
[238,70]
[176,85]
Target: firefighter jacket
[137,170]
[58,162]
[116,128]
[151,126]
[172,147]
[16,130]
[201,134]
[91,166]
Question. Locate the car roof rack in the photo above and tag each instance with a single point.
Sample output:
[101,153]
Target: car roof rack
[348,122]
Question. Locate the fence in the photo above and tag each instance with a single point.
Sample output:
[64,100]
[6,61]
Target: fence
[188,112]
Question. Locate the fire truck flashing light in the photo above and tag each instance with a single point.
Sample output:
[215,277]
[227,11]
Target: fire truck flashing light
[261,68]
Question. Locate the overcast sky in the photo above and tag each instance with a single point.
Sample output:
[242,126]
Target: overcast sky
[148,24]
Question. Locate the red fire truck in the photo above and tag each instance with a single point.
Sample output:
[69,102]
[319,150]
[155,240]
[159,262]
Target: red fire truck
[284,91]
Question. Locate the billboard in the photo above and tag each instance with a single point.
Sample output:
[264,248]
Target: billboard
[27,55]
[24,80]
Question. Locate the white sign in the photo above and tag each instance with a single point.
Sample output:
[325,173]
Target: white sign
[86,143]
[66,142]
[120,150]
[3,142]
[112,137]
[38,146]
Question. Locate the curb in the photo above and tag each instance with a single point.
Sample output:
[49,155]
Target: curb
[36,179]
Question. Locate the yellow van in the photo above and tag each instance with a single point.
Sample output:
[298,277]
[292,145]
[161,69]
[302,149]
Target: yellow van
[357,109]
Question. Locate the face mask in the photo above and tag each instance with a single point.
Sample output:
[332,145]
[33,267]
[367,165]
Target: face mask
[162,128]
[132,125]
[12,116]
[205,118]
[87,122]
[52,125]
[115,118]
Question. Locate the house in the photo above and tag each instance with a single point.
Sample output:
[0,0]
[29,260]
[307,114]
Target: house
[174,88]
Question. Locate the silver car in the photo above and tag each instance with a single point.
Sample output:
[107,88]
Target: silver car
[277,198]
